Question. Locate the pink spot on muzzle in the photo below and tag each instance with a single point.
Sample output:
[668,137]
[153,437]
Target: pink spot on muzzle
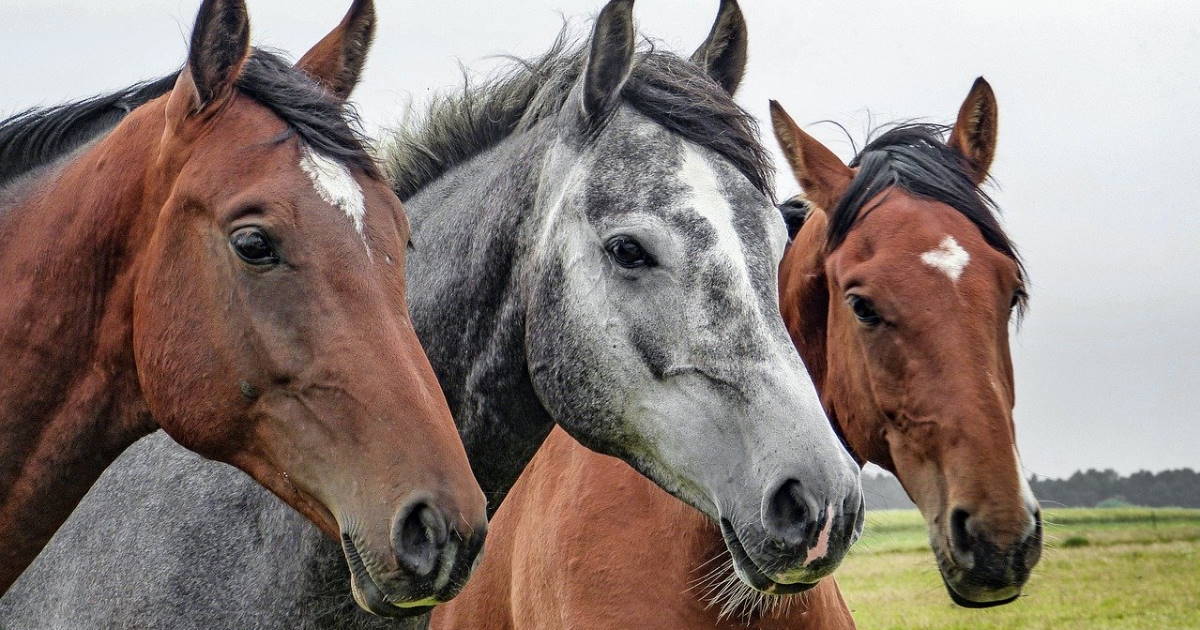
[821,547]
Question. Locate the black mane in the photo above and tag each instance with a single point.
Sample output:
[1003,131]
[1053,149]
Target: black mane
[915,158]
[670,90]
[39,136]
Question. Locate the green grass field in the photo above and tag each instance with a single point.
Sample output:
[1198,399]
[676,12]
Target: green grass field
[1127,568]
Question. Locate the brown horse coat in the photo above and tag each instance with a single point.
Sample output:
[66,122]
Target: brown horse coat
[227,264]
[586,543]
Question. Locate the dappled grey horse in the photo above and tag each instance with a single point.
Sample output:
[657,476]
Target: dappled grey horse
[594,246]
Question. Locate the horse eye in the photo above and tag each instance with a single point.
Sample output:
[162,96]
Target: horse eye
[628,253]
[864,310]
[253,246]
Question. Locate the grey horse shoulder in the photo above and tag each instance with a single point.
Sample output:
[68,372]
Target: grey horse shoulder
[167,539]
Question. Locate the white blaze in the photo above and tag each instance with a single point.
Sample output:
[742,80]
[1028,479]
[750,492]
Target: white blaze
[948,257]
[709,202]
[334,183]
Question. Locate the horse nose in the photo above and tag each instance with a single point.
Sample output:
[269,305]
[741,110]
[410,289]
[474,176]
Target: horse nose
[976,549]
[795,517]
[419,536]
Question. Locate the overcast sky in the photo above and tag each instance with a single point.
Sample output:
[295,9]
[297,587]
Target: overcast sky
[1097,164]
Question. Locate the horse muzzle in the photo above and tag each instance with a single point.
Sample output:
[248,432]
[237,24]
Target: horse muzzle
[977,572]
[432,559]
[802,539]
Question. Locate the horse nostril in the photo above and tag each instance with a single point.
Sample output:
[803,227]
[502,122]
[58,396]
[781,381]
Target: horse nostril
[960,537]
[418,537]
[1034,539]
[854,515]
[1032,545]
[788,517]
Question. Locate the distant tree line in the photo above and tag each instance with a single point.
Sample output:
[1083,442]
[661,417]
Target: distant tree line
[1089,488]
[1086,488]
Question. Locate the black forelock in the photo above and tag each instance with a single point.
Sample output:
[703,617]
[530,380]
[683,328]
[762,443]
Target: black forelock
[39,136]
[328,125]
[677,94]
[914,157]
[669,90]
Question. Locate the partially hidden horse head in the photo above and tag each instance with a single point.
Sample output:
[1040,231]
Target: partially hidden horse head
[227,264]
[626,208]
[900,286]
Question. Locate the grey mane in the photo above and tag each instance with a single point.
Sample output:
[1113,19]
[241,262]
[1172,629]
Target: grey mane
[669,90]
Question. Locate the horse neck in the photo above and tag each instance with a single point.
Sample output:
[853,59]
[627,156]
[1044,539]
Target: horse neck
[804,297]
[804,304]
[71,400]
[467,296]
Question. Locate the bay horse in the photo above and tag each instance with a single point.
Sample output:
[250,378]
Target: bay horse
[898,289]
[595,247]
[227,264]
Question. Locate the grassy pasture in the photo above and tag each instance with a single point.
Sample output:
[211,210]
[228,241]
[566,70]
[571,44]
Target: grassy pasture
[1127,568]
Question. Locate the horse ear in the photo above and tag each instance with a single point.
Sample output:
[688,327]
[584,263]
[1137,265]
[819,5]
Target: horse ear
[723,54]
[610,59]
[219,47]
[821,173]
[337,61]
[974,135]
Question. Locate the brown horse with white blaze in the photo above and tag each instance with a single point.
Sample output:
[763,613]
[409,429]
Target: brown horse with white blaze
[228,265]
[898,290]
[920,284]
